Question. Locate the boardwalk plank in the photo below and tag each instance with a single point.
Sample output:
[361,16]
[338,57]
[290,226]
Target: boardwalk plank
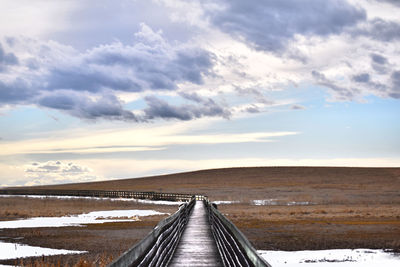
[197,246]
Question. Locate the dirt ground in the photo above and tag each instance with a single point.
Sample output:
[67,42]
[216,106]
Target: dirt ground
[334,208]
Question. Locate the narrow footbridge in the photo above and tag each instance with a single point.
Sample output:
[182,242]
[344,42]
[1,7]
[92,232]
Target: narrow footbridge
[196,235]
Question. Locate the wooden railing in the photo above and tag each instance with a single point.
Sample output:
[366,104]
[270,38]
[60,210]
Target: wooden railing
[158,247]
[233,246]
[100,193]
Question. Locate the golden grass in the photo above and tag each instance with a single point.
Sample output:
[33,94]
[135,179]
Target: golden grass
[319,184]
[353,208]
[24,207]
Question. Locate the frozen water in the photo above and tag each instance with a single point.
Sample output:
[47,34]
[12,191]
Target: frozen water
[222,202]
[144,201]
[274,202]
[156,202]
[265,202]
[13,251]
[331,258]
[78,220]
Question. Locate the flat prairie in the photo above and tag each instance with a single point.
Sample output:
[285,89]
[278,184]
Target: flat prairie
[278,208]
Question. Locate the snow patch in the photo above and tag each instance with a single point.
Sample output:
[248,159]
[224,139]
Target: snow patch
[157,202]
[143,201]
[223,202]
[265,202]
[13,251]
[79,220]
[334,258]
[275,202]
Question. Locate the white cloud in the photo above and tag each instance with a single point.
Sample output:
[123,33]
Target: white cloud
[144,138]
[85,85]
[56,172]
[34,19]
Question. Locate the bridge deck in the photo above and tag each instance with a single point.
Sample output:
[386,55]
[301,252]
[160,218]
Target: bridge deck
[197,246]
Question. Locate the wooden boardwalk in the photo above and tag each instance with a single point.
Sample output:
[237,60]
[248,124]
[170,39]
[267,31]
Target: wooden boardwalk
[197,245]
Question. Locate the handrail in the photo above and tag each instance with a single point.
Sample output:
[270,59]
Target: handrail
[100,193]
[157,248]
[234,248]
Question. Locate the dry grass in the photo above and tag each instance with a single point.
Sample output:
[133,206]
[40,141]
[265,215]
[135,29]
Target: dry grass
[24,207]
[317,184]
[103,242]
[354,208]
[318,226]
[101,260]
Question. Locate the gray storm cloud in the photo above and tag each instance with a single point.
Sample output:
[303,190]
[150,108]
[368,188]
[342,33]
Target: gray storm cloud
[7,58]
[84,85]
[269,25]
[158,108]
[395,77]
[379,29]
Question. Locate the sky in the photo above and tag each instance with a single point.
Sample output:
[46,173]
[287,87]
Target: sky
[100,89]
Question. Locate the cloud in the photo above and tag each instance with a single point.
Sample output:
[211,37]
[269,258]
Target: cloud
[18,91]
[108,106]
[379,29]
[341,93]
[298,107]
[146,137]
[253,109]
[6,59]
[158,108]
[85,85]
[379,63]
[206,76]
[150,64]
[361,78]
[393,2]
[378,59]
[55,172]
[271,25]
[395,78]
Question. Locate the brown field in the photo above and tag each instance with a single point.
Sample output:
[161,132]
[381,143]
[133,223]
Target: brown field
[23,207]
[104,242]
[349,208]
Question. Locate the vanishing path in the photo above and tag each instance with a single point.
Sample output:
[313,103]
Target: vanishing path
[197,245]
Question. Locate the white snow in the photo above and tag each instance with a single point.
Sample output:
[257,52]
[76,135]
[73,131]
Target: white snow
[78,220]
[265,202]
[144,201]
[298,203]
[274,202]
[222,202]
[331,258]
[156,202]
[13,251]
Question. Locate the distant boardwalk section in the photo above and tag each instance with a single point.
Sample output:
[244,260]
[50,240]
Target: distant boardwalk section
[100,193]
